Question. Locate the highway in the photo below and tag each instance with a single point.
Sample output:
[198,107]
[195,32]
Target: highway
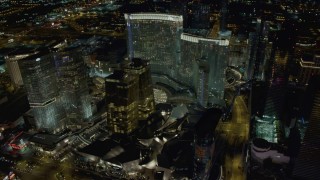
[236,132]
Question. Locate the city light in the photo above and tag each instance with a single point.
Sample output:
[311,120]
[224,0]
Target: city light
[143,89]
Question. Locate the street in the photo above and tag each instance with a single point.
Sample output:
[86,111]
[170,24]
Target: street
[236,132]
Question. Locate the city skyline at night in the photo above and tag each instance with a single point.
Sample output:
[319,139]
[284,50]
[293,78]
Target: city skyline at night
[159,89]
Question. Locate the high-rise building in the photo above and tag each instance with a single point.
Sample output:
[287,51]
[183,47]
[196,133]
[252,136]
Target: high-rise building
[38,74]
[202,66]
[155,37]
[204,143]
[276,91]
[13,66]
[239,54]
[141,69]
[180,8]
[190,53]
[275,99]
[180,56]
[122,99]
[260,51]
[307,164]
[201,81]
[73,83]
[309,66]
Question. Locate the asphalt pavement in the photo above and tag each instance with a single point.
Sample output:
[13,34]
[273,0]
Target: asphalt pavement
[236,132]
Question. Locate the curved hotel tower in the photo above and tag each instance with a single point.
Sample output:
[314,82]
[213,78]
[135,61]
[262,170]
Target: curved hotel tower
[194,62]
[202,65]
[155,37]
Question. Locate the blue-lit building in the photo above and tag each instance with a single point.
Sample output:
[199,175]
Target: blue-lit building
[39,77]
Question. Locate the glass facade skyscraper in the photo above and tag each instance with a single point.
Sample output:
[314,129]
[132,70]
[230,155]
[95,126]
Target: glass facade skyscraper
[307,163]
[155,37]
[13,66]
[195,62]
[203,61]
[72,79]
[38,73]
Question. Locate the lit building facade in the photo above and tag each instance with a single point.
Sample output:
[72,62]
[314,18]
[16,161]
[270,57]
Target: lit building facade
[191,61]
[73,83]
[122,99]
[202,66]
[38,74]
[141,69]
[155,37]
[308,68]
[13,67]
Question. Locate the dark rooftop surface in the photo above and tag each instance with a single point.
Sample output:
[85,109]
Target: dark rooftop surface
[24,50]
[164,107]
[307,57]
[115,143]
[131,153]
[6,51]
[118,75]
[14,107]
[177,152]
[72,48]
[307,164]
[99,148]
[208,122]
[41,54]
[137,63]
[152,124]
[261,143]
[49,140]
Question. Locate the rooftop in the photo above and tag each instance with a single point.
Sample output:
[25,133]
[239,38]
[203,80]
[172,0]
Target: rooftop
[154,16]
[120,76]
[117,149]
[49,140]
[208,122]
